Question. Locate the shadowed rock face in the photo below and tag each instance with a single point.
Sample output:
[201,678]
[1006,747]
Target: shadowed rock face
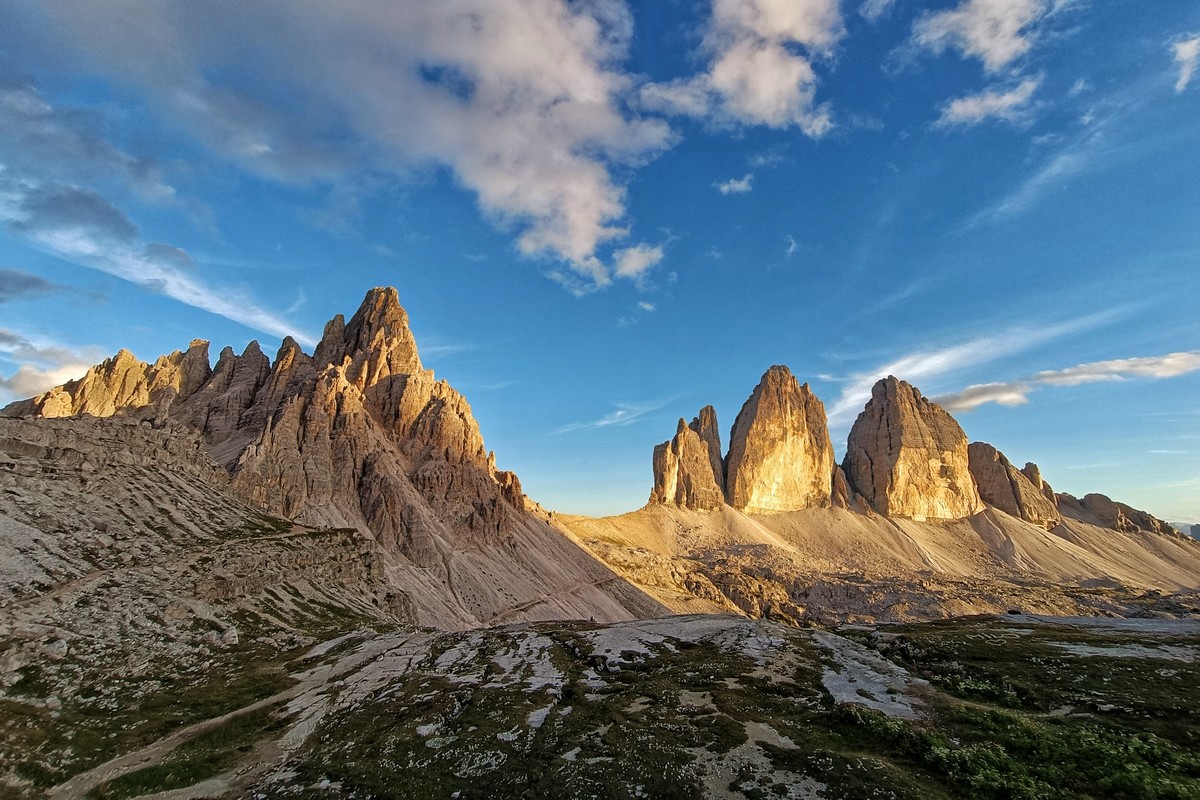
[684,473]
[780,456]
[360,435]
[1011,490]
[908,457]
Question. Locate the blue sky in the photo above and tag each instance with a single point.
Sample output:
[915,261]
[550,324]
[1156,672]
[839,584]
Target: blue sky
[603,215]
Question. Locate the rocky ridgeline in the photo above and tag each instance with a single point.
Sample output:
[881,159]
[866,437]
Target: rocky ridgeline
[905,457]
[359,435]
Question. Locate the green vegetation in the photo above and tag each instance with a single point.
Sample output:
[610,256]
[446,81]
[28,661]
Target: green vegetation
[198,759]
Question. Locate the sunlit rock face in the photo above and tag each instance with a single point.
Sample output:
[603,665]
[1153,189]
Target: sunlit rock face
[684,472]
[359,435]
[780,456]
[1011,490]
[908,457]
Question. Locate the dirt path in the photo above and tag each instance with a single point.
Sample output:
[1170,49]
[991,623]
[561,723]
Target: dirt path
[306,700]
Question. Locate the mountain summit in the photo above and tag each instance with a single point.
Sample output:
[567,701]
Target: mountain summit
[359,435]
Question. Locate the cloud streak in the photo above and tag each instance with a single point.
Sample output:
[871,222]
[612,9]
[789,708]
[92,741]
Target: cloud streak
[624,414]
[1187,56]
[1015,393]
[931,363]
[16,284]
[82,227]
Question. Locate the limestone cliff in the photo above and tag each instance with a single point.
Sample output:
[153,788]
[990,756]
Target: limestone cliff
[684,472]
[359,435]
[908,457]
[780,455]
[1011,490]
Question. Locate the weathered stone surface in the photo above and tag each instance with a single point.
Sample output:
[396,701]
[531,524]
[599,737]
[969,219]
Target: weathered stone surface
[705,424]
[1034,474]
[683,472]
[1101,510]
[780,456]
[908,457]
[1004,486]
[360,436]
[122,382]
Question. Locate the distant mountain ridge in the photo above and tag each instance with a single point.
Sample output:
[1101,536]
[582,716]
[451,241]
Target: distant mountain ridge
[913,523]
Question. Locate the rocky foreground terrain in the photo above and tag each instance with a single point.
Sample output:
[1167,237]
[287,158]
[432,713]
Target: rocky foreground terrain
[307,577]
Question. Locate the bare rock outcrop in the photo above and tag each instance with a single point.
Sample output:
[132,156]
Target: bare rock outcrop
[684,472]
[908,457]
[122,382]
[780,455]
[1102,510]
[1011,490]
[359,435]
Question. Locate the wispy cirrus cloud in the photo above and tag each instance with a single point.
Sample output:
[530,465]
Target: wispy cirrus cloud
[624,414]
[925,364]
[81,226]
[1013,393]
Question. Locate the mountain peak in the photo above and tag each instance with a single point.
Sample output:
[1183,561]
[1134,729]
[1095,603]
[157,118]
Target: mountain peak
[908,457]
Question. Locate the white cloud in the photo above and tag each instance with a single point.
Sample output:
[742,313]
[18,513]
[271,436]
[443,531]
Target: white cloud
[633,262]
[736,185]
[644,306]
[755,75]
[522,102]
[1168,366]
[1012,105]
[997,32]
[791,247]
[872,10]
[1187,56]
[624,414]
[1120,369]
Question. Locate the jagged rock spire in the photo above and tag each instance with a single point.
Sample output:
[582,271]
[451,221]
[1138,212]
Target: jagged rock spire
[684,473]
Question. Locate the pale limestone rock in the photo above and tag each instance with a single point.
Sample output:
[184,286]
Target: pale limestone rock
[1011,490]
[780,456]
[1101,510]
[908,457]
[361,436]
[705,424]
[1034,474]
[121,384]
[683,472]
